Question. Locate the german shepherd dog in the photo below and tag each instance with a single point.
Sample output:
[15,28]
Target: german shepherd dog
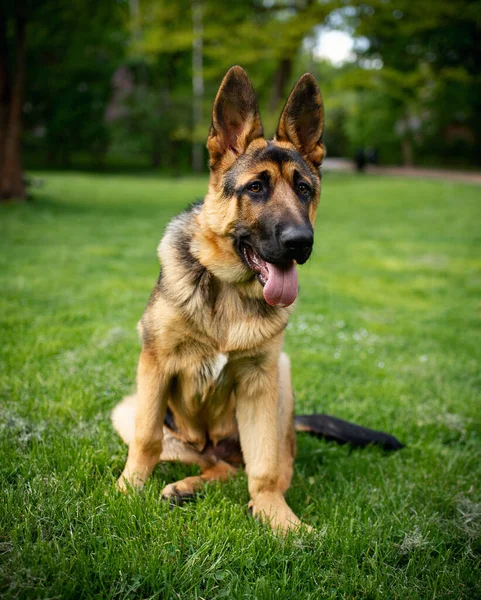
[213,385]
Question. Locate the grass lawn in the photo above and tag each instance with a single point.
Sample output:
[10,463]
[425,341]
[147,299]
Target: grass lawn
[387,333]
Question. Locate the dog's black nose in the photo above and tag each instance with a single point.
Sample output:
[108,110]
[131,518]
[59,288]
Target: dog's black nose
[297,242]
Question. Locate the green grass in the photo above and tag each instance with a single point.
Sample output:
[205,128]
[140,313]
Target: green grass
[387,333]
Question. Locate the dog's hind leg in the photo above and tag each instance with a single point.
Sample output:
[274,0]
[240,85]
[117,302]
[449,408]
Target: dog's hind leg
[173,449]
[186,488]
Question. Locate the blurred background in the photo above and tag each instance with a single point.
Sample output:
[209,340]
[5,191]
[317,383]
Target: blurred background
[129,84]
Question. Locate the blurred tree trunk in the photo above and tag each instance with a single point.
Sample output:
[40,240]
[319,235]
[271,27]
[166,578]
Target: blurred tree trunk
[407,149]
[283,72]
[197,84]
[407,152]
[4,83]
[281,79]
[11,174]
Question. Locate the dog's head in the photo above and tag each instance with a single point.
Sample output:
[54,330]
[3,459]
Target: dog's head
[263,195]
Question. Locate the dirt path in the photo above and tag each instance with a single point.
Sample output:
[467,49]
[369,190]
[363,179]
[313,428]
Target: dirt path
[347,166]
[463,176]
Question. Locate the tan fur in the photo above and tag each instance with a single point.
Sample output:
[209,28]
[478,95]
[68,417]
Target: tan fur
[211,346]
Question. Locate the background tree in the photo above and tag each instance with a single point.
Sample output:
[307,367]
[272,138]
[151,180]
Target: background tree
[430,75]
[74,50]
[12,92]
[111,84]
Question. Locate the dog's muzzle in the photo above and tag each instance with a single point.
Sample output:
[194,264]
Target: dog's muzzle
[273,259]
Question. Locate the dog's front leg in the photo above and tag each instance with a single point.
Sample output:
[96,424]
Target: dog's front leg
[257,409]
[146,447]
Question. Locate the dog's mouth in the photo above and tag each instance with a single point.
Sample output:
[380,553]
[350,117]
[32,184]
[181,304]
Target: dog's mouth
[280,283]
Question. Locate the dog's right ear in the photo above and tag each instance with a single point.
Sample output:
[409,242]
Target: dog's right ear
[235,117]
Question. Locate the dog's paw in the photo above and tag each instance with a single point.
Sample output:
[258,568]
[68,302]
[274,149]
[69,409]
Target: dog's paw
[176,496]
[122,485]
[127,483]
[273,510]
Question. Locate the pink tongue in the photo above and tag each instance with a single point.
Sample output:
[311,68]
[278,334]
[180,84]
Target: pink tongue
[281,287]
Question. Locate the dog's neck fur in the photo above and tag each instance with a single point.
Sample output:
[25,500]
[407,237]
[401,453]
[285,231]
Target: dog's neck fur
[214,248]
[190,251]
[212,305]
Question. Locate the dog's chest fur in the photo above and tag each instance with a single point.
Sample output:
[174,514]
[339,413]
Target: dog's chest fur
[203,329]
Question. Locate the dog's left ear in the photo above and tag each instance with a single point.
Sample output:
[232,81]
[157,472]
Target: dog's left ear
[302,120]
[235,117]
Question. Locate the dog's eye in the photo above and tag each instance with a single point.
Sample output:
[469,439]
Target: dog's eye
[303,188]
[255,187]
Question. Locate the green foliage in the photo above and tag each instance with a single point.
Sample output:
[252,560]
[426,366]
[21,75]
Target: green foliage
[413,91]
[73,51]
[430,80]
[386,334]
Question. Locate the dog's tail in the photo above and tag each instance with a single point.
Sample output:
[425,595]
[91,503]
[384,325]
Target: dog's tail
[343,432]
